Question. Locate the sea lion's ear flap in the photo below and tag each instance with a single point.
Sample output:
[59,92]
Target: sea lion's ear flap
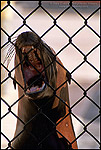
[68,75]
[14,82]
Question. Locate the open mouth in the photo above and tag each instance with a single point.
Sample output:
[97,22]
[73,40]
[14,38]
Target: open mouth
[34,75]
[35,85]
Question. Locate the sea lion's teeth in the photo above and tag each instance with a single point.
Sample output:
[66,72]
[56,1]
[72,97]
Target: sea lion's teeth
[35,89]
[32,47]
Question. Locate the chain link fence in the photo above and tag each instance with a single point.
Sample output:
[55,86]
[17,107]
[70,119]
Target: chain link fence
[54,12]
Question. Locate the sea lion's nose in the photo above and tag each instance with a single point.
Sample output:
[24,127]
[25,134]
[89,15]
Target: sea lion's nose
[26,49]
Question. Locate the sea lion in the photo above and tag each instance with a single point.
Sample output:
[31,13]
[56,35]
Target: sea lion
[43,97]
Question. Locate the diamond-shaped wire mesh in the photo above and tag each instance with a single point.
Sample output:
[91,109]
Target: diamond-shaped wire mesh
[73,30]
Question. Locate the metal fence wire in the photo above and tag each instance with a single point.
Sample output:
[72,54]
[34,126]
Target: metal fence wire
[70,42]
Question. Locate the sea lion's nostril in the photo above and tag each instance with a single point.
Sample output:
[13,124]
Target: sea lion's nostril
[38,58]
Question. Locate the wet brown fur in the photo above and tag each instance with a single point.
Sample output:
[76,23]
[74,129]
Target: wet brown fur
[27,108]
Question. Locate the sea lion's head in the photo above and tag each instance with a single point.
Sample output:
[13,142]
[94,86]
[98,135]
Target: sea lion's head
[35,66]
